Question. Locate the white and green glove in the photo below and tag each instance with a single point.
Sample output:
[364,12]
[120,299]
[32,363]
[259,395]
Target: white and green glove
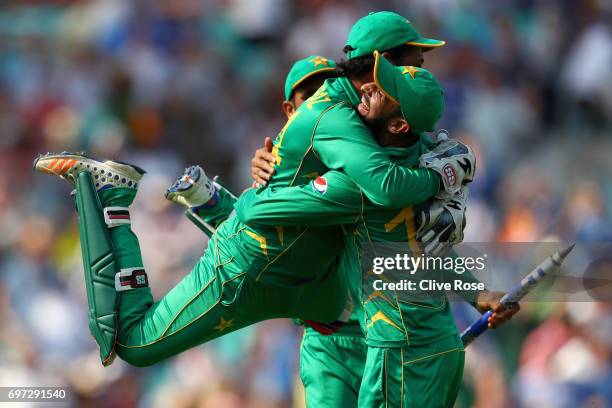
[193,189]
[453,161]
[441,224]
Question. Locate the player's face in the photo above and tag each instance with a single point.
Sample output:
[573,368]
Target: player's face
[304,91]
[412,56]
[375,106]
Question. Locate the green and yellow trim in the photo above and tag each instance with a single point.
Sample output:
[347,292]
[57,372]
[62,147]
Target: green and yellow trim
[308,75]
[165,333]
[440,43]
[416,360]
[376,63]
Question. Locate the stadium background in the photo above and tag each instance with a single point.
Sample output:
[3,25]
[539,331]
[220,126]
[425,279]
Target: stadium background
[169,83]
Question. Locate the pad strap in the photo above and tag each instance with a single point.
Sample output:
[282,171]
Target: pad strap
[115,216]
[131,278]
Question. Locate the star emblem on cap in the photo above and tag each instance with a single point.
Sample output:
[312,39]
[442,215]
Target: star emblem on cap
[410,70]
[224,324]
[320,61]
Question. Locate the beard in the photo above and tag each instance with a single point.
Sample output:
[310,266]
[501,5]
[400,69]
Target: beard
[377,127]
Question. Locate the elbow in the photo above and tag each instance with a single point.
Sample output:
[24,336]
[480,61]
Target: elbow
[388,201]
[246,216]
[252,215]
[243,214]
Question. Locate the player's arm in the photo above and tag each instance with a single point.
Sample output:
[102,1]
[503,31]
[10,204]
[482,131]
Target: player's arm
[348,145]
[329,200]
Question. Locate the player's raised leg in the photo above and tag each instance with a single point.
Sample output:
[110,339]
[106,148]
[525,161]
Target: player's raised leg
[215,298]
[111,255]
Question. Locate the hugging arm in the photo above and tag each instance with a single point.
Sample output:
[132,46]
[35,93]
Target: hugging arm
[351,148]
[329,200]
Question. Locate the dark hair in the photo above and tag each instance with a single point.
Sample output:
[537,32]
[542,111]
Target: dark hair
[363,65]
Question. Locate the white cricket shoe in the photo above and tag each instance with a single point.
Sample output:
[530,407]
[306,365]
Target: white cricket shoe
[106,174]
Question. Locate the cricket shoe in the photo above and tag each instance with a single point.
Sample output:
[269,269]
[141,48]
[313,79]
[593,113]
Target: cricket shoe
[193,188]
[106,174]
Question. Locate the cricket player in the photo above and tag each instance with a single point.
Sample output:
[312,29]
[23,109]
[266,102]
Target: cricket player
[332,355]
[331,364]
[415,356]
[336,361]
[298,156]
[246,274]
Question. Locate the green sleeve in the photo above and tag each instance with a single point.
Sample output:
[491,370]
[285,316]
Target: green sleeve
[467,276]
[340,203]
[343,142]
[218,213]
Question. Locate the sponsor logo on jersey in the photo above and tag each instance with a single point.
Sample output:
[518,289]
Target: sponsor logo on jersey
[320,184]
[450,174]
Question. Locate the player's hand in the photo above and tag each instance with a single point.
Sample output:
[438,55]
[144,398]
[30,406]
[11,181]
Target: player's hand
[454,162]
[262,164]
[489,300]
[440,225]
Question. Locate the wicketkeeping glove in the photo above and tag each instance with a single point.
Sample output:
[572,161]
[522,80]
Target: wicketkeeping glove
[192,189]
[441,224]
[454,162]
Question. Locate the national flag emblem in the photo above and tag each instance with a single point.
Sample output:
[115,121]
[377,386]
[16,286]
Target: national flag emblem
[320,184]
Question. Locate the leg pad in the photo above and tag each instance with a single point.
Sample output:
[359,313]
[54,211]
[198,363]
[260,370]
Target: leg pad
[100,267]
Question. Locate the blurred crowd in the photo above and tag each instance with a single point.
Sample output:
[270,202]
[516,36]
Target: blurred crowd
[164,84]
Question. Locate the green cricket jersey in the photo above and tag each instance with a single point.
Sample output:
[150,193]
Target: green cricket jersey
[335,198]
[324,133]
[253,273]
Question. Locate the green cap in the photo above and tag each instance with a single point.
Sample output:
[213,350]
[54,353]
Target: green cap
[416,90]
[305,68]
[382,31]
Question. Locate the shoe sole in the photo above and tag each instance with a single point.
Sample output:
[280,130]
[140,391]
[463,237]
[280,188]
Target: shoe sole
[109,173]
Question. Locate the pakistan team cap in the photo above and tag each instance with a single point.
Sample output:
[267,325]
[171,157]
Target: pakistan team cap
[416,90]
[382,31]
[305,68]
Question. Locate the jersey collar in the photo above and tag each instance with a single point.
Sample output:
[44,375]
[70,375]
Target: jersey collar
[345,90]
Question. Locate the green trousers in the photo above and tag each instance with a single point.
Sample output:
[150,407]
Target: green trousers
[413,377]
[331,368]
[217,297]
